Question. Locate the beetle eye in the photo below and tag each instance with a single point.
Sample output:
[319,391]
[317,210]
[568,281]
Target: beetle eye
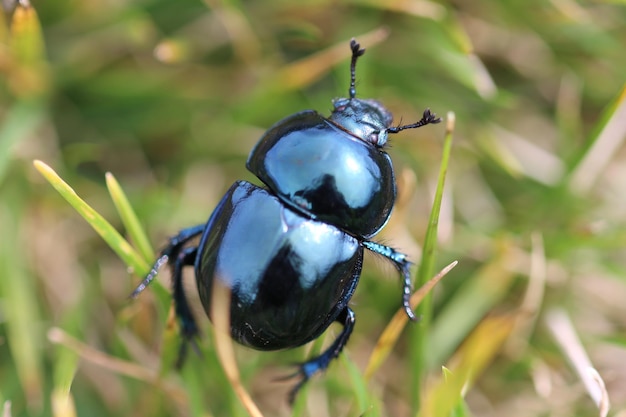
[378,138]
[340,104]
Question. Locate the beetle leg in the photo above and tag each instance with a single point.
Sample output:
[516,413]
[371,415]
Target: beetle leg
[321,362]
[170,251]
[188,327]
[403,265]
[177,256]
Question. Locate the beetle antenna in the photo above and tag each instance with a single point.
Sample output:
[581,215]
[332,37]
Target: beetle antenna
[356,53]
[427,118]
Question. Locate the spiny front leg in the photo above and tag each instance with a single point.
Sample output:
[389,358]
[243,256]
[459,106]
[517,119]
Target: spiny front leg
[177,256]
[402,264]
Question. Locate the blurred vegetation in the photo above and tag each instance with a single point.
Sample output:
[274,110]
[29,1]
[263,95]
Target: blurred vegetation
[171,96]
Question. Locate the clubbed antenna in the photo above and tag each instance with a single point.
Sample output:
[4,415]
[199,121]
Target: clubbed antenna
[427,118]
[356,53]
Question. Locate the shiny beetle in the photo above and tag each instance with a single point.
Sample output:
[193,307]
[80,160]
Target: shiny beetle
[291,251]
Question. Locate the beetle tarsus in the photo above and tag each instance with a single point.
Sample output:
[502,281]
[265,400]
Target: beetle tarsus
[320,363]
[403,266]
[173,248]
[177,256]
[406,290]
[182,350]
[151,275]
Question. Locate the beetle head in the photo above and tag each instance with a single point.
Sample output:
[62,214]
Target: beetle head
[368,119]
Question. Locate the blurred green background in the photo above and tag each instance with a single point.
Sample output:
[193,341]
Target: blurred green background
[171,96]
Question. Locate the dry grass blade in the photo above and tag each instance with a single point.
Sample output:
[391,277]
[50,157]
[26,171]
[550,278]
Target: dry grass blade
[28,75]
[479,294]
[62,403]
[58,336]
[605,145]
[390,335]
[467,363]
[419,8]
[604,404]
[533,297]
[119,366]
[242,37]
[310,69]
[565,335]
[220,316]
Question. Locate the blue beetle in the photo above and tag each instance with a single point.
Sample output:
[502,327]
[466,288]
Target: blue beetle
[291,251]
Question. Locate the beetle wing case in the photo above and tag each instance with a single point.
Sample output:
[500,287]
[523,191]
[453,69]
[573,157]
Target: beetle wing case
[326,173]
[275,261]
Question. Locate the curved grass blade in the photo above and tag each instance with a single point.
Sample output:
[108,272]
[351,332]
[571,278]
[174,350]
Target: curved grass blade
[419,337]
[307,70]
[362,397]
[61,398]
[445,395]
[129,218]
[20,309]
[607,137]
[117,365]
[390,335]
[111,236]
[476,297]
[224,346]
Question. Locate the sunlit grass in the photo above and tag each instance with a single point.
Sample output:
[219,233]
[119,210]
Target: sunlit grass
[533,205]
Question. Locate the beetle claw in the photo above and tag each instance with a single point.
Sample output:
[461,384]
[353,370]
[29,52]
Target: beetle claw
[287,377]
[302,377]
[183,349]
[294,391]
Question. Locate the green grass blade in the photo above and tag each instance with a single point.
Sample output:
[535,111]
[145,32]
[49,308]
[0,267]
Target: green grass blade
[20,309]
[136,261]
[475,298]
[19,122]
[389,337]
[111,236]
[65,367]
[363,398]
[606,139]
[419,335]
[129,218]
[443,397]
